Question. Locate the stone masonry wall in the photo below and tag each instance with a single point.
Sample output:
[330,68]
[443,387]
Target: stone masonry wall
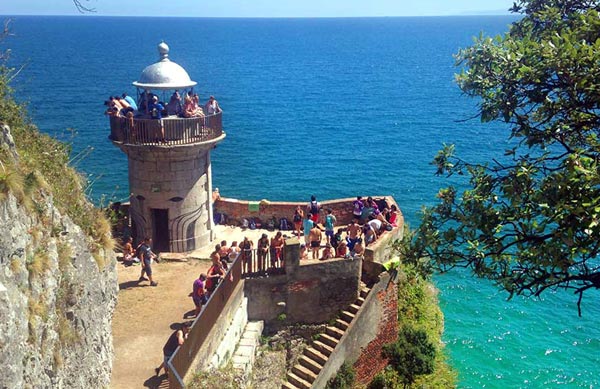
[236,210]
[313,292]
[370,362]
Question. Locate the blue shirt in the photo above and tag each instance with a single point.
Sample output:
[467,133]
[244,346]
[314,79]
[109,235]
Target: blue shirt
[131,102]
[308,225]
[156,110]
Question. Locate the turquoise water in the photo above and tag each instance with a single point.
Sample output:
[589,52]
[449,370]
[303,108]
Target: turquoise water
[331,107]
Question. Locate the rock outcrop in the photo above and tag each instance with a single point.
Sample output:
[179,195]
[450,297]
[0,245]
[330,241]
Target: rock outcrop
[57,296]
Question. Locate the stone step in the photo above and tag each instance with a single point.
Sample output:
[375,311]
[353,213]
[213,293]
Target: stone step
[243,357]
[310,364]
[288,385]
[304,373]
[334,332]
[322,347]
[297,381]
[328,340]
[342,325]
[347,316]
[353,308]
[315,355]
[364,292]
[360,301]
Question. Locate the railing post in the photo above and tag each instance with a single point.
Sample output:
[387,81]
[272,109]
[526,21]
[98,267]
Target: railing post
[291,255]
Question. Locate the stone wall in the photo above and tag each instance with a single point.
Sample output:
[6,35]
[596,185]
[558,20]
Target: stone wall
[176,179]
[309,292]
[56,301]
[375,324]
[236,210]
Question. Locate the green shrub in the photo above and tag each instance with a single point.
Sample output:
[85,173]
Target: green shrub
[343,379]
[413,354]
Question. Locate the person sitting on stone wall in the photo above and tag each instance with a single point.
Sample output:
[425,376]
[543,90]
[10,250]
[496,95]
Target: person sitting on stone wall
[303,252]
[359,248]
[328,252]
[392,216]
[342,250]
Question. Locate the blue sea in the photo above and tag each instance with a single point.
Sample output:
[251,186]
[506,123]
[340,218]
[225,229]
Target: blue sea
[330,107]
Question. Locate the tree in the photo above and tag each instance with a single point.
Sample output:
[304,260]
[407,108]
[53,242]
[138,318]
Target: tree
[528,220]
[411,355]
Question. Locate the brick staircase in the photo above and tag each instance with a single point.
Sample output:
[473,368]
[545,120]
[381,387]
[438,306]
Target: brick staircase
[310,364]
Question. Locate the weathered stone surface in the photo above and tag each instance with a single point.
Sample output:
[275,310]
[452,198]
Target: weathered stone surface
[56,304]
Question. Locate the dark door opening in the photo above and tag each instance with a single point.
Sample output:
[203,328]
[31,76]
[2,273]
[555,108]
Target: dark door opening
[160,230]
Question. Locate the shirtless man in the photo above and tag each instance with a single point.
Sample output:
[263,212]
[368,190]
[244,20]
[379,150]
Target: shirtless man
[353,231]
[314,236]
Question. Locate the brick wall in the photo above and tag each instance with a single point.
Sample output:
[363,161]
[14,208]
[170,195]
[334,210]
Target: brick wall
[370,361]
[236,210]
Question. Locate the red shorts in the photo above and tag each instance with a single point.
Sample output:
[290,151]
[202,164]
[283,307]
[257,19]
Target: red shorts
[315,218]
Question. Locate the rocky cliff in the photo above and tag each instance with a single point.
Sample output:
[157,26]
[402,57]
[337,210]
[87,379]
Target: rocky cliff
[58,285]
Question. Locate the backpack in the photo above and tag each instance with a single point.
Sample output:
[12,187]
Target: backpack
[314,207]
[245,223]
[283,224]
[271,225]
[252,224]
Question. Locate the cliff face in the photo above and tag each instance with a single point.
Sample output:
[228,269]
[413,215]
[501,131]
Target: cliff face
[58,291]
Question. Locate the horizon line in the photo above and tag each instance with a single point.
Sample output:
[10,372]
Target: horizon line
[267,17]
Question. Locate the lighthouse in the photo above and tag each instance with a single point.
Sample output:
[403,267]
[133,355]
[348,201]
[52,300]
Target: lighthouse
[168,155]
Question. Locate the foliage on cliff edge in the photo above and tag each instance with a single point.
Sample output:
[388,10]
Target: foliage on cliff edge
[42,168]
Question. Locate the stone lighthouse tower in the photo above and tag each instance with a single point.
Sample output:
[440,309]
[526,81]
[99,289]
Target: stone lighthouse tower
[169,159]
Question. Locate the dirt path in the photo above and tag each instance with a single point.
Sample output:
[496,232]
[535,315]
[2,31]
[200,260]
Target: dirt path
[144,317]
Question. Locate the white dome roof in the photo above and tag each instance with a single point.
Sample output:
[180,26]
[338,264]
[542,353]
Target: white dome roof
[164,74]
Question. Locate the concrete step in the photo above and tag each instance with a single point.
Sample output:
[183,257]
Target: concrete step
[310,364]
[328,340]
[243,357]
[347,316]
[304,373]
[353,308]
[288,385]
[315,355]
[342,325]
[334,332]
[297,381]
[322,347]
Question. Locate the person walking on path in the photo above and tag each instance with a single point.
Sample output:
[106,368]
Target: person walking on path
[147,256]
[176,339]
[199,293]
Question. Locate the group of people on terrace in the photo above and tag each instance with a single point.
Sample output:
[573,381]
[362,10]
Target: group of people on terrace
[149,105]
[367,225]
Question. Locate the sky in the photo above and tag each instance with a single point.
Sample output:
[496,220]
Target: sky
[260,8]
